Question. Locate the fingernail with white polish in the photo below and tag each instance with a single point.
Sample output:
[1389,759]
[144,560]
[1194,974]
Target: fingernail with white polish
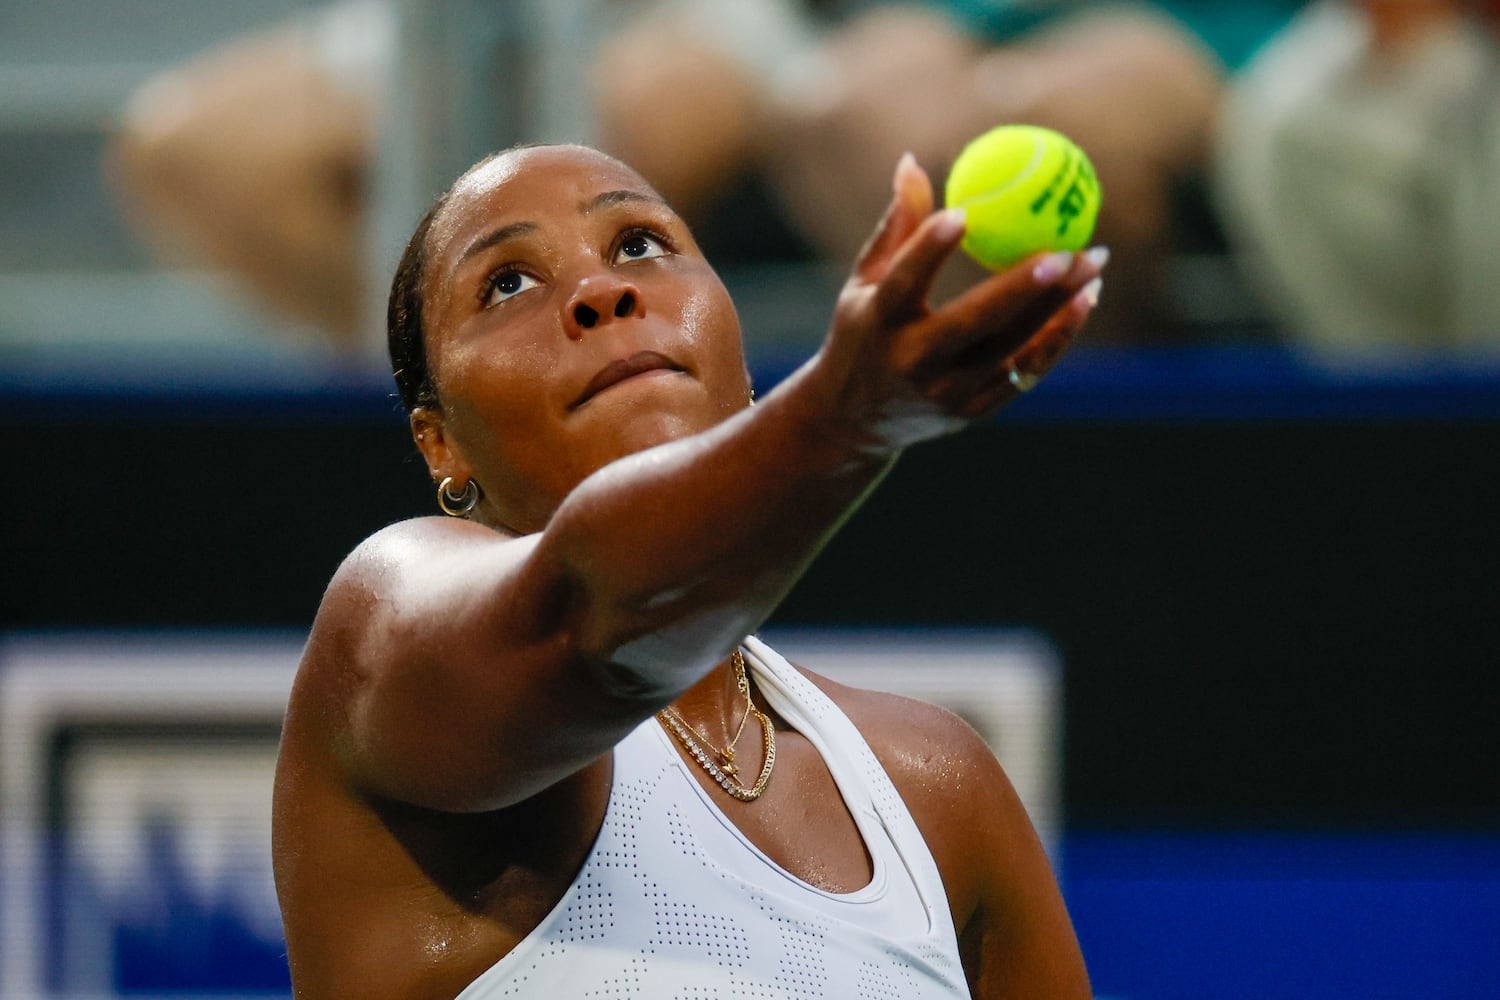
[950,223]
[1052,267]
[1097,256]
[1090,293]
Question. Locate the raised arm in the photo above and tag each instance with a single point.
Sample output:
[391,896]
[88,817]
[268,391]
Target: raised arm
[470,670]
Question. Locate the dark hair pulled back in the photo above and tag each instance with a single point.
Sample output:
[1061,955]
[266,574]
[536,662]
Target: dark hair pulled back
[403,320]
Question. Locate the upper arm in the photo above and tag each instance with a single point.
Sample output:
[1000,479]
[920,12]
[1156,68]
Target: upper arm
[1015,936]
[1019,941]
[444,661]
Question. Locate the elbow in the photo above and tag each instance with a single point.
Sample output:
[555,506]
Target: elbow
[626,685]
[648,667]
[622,674]
[154,117]
[636,647]
[146,160]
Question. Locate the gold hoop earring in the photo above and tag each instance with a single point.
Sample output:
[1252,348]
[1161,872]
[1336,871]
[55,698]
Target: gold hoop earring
[461,505]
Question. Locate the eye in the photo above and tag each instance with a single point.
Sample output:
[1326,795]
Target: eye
[506,284]
[640,246]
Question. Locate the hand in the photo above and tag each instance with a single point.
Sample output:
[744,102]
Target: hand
[899,371]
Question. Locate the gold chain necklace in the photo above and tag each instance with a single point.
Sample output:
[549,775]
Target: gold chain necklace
[724,770]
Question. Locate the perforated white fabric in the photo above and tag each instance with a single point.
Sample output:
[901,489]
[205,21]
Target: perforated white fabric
[674,902]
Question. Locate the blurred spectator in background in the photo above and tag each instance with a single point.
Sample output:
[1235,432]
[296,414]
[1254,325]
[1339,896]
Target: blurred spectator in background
[1135,84]
[255,157]
[1358,175]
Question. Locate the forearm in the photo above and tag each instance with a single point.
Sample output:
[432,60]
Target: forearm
[677,552]
[673,554]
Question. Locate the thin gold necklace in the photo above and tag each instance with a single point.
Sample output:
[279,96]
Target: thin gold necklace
[724,770]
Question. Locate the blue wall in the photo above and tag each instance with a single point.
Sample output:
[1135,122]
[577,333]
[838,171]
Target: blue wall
[1251,916]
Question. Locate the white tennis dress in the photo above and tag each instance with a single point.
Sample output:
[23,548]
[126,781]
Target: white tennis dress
[674,902]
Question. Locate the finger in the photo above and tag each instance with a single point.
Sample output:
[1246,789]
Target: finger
[1042,352]
[994,318]
[911,202]
[901,294]
[981,378]
[1034,315]
[1036,357]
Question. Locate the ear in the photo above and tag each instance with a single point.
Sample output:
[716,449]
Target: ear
[443,459]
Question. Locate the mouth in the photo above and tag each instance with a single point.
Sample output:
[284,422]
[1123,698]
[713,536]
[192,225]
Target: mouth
[612,374]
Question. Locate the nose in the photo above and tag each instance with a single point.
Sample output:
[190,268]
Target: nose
[600,299]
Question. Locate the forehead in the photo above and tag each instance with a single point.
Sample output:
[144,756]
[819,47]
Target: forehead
[524,184]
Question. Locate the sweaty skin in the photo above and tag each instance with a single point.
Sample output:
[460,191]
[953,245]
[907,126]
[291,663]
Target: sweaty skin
[445,757]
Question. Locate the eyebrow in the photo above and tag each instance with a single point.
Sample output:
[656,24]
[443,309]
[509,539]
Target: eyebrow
[496,236]
[605,200]
[611,198]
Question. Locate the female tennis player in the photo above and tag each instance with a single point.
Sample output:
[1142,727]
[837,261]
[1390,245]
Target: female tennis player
[535,749]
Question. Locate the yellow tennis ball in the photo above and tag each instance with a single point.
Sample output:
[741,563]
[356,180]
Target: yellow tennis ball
[1025,189]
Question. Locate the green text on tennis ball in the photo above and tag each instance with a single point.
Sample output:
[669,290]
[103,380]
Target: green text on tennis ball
[1024,189]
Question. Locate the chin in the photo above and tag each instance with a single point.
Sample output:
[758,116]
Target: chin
[647,428]
[649,413]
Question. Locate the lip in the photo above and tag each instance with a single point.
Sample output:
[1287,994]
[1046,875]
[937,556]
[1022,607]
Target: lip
[639,363]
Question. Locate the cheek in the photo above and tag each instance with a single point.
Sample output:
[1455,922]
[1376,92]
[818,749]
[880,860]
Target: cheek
[494,394]
[697,314]
[710,324]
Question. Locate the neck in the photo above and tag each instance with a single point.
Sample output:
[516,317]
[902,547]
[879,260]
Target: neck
[714,704]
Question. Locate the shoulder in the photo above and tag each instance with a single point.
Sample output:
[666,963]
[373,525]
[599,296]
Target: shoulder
[398,623]
[948,777]
[420,534]
[408,550]
[918,743]
[399,572]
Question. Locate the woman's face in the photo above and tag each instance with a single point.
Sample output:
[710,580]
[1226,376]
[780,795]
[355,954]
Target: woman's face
[570,320]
